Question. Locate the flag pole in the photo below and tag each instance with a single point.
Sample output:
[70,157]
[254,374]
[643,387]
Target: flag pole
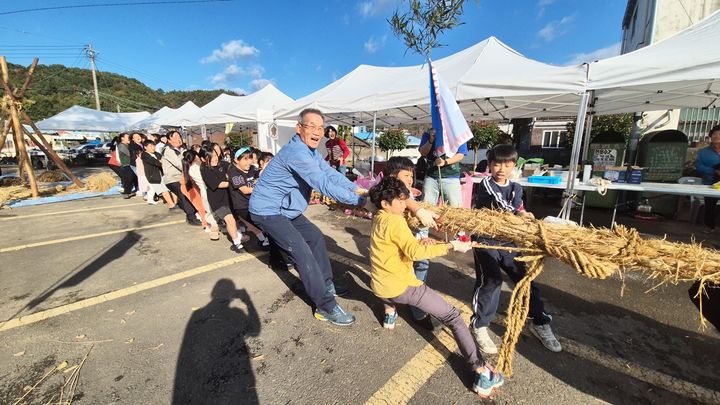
[372,163]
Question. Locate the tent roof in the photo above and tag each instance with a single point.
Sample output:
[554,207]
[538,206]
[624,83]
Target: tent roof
[680,71]
[226,108]
[77,118]
[180,117]
[149,122]
[489,79]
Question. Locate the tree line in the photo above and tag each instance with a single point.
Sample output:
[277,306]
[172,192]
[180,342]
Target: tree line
[55,88]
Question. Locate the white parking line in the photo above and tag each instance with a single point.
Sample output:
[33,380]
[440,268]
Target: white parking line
[94,235]
[55,213]
[402,386]
[65,309]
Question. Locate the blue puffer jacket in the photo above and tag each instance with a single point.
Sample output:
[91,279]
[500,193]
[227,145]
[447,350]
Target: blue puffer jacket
[707,159]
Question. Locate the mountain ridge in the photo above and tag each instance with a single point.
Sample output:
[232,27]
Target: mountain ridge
[56,87]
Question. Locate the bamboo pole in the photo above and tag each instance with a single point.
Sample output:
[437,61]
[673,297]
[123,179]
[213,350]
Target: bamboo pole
[45,146]
[17,129]
[21,94]
[3,133]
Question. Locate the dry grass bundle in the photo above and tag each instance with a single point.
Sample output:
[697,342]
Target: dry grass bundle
[52,176]
[21,192]
[11,181]
[100,182]
[593,252]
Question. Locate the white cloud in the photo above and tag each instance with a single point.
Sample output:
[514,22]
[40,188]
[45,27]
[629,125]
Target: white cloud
[542,5]
[375,7]
[239,90]
[160,42]
[372,45]
[233,71]
[555,28]
[602,53]
[231,51]
[346,19]
[258,84]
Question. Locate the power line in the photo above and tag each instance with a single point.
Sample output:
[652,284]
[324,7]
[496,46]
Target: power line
[155,78]
[142,3]
[38,35]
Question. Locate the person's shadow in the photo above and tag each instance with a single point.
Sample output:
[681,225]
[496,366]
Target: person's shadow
[214,364]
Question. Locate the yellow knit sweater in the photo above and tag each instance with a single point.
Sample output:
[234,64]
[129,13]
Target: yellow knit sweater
[393,248]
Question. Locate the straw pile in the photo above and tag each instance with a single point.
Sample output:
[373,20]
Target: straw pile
[100,182]
[52,176]
[593,252]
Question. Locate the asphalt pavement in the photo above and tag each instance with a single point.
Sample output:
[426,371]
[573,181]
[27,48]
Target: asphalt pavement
[150,311]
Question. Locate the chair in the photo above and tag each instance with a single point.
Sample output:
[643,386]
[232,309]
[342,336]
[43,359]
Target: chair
[695,202]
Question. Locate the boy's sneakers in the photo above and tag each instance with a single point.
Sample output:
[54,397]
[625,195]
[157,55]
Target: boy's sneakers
[264,245]
[337,316]
[482,337]
[484,385]
[237,248]
[389,320]
[546,336]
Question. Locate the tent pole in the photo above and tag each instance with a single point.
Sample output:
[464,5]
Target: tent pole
[588,128]
[372,163]
[577,142]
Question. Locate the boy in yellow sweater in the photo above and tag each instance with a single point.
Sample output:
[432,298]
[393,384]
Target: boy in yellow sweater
[393,248]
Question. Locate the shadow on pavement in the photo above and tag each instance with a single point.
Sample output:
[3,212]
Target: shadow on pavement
[214,363]
[616,331]
[115,252]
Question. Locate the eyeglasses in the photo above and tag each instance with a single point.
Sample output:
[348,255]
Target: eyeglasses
[312,128]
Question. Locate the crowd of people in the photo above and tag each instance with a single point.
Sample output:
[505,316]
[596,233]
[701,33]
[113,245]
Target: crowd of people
[210,185]
[246,189]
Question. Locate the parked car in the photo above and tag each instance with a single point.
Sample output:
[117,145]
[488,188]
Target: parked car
[89,154]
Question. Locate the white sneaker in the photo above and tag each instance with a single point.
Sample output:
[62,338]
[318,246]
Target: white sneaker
[546,336]
[207,229]
[483,340]
[152,202]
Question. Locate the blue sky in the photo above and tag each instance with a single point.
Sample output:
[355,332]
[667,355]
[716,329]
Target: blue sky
[300,46]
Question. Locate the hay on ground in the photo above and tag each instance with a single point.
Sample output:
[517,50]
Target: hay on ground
[52,176]
[100,182]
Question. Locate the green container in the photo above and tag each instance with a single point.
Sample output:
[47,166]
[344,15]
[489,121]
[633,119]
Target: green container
[663,153]
[606,150]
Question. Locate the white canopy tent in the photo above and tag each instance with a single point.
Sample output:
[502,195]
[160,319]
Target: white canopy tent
[150,123]
[490,81]
[258,107]
[226,108]
[680,71]
[181,117]
[77,118]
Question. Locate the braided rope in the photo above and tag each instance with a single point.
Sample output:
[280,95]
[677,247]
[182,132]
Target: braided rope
[592,252]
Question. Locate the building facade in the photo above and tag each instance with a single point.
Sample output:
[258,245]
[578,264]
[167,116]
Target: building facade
[649,21]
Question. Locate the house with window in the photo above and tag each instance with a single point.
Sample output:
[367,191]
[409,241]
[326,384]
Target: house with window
[648,21]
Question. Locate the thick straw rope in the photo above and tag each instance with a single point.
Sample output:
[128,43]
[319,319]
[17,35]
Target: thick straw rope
[593,252]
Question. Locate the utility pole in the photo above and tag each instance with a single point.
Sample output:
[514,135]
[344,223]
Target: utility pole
[91,55]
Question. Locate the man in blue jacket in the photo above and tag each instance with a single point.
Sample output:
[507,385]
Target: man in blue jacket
[281,196]
[706,163]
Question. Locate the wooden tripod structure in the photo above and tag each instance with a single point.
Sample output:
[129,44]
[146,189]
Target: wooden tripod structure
[12,110]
